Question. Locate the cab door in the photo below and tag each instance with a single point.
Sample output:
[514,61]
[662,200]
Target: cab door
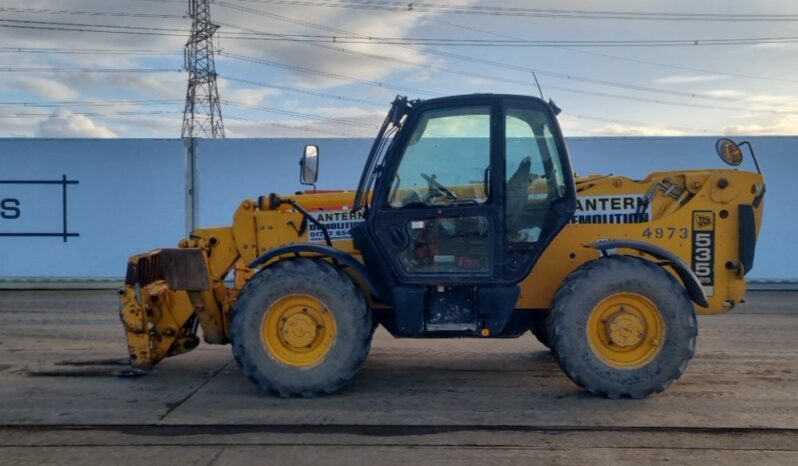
[436,218]
[539,192]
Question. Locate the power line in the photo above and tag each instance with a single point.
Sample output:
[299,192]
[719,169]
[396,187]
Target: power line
[491,63]
[325,74]
[466,58]
[560,88]
[87,114]
[520,43]
[87,51]
[586,52]
[109,26]
[575,115]
[88,103]
[282,125]
[663,102]
[572,77]
[53,28]
[637,123]
[94,28]
[445,8]
[302,91]
[157,102]
[89,70]
[615,57]
[337,121]
[519,68]
[158,1]
[89,13]
[351,37]
[360,39]
[292,127]
[105,103]
[683,68]
[424,17]
[295,37]
[448,42]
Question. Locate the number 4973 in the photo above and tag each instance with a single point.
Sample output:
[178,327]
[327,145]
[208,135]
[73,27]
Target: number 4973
[666,232]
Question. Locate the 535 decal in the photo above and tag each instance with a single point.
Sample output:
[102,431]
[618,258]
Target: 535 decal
[704,249]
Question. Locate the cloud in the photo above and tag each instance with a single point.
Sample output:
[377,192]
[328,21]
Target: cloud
[615,129]
[371,115]
[19,127]
[151,86]
[151,125]
[768,104]
[43,87]
[723,93]
[21,37]
[291,128]
[63,124]
[787,125]
[367,61]
[774,45]
[248,96]
[677,79]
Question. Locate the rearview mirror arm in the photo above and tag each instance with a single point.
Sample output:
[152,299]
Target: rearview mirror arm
[753,155]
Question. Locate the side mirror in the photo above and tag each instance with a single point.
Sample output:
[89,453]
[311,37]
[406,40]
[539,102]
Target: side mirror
[309,165]
[729,152]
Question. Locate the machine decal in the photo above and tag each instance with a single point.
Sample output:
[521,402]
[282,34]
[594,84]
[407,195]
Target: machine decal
[666,232]
[338,224]
[704,249]
[624,208]
[27,208]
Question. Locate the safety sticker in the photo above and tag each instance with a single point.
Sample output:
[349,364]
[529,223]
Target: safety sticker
[626,208]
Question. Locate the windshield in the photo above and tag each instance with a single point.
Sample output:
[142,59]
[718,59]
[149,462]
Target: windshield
[393,121]
[446,160]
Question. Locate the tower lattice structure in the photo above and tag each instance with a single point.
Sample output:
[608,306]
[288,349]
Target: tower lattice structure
[202,116]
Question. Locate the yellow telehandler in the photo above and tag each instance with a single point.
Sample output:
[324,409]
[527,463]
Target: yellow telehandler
[467,222]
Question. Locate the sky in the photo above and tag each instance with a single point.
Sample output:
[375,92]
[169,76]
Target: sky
[56,83]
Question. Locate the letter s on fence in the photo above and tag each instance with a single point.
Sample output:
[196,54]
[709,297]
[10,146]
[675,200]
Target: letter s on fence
[10,209]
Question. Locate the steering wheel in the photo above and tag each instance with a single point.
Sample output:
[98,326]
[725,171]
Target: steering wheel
[433,184]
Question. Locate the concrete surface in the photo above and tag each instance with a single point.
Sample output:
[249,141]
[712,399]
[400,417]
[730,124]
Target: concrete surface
[415,401]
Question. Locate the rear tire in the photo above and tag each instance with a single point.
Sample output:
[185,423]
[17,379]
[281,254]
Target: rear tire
[301,328]
[622,326]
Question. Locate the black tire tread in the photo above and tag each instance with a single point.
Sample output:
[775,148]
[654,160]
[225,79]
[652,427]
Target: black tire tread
[308,270]
[583,277]
[540,330]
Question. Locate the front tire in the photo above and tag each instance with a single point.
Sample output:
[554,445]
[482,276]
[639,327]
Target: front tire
[540,329]
[622,326]
[301,328]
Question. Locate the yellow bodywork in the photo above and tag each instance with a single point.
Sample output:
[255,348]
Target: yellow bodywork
[158,319]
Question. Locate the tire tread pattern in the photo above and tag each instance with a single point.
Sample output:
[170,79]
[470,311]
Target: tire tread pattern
[583,281]
[304,274]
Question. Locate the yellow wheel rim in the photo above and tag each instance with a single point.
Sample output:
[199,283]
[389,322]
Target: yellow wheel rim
[298,330]
[625,330]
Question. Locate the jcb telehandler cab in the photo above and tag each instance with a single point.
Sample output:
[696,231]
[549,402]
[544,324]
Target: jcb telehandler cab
[467,222]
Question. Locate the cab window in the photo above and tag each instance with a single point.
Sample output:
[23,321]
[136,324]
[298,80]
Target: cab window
[446,160]
[534,176]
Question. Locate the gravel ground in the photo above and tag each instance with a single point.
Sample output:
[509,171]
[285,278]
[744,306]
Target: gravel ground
[415,401]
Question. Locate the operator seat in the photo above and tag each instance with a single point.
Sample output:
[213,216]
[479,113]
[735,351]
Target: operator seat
[517,195]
